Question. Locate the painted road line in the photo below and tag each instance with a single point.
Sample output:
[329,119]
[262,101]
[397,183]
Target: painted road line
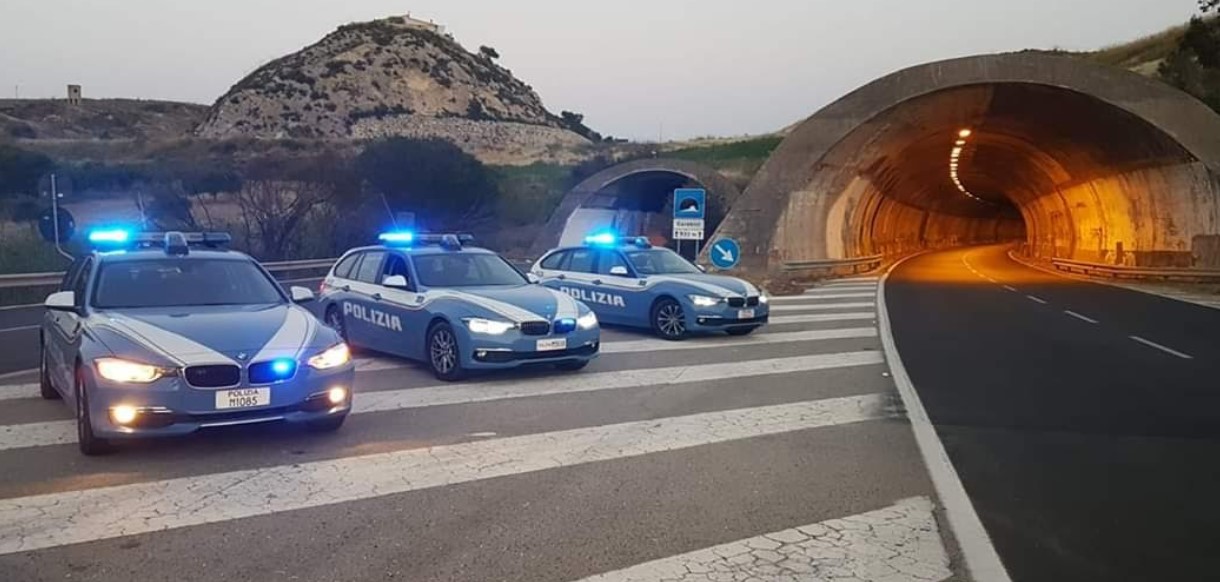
[22,328]
[14,391]
[820,306]
[1011,288]
[840,289]
[59,432]
[822,317]
[1165,349]
[853,280]
[1079,316]
[815,298]
[982,560]
[899,542]
[1036,299]
[57,519]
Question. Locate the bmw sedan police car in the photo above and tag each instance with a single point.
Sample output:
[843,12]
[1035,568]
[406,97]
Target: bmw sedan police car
[454,307]
[629,282]
[166,333]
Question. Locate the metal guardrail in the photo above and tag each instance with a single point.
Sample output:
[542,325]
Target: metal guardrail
[868,263]
[1122,271]
[19,280]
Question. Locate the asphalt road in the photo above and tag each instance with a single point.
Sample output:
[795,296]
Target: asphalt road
[672,460]
[1083,419]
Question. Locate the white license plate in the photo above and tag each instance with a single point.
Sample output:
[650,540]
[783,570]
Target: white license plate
[244,398]
[551,345]
[745,314]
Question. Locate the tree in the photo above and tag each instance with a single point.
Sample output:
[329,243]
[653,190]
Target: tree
[20,170]
[277,197]
[433,178]
[1209,5]
[489,52]
[576,122]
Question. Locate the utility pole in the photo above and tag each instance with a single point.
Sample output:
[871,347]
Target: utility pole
[55,218]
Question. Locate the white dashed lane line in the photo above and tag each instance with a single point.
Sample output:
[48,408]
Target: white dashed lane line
[1011,288]
[1167,350]
[1079,316]
[1036,299]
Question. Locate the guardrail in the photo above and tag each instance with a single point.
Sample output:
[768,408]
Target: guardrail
[1125,272]
[855,265]
[20,280]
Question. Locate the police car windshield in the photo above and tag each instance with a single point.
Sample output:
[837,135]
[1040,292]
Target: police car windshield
[660,262]
[466,270]
[181,283]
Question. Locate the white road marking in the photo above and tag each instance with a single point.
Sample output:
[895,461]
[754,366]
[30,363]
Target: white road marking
[13,391]
[819,307]
[839,289]
[822,317]
[899,542]
[22,328]
[815,298]
[980,556]
[1036,299]
[1011,288]
[59,432]
[1079,316]
[989,279]
[852,281]
[57,519]
[1167,350]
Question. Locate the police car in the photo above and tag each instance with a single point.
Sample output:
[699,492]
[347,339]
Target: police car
[454,307]
[627,281]
[157,334]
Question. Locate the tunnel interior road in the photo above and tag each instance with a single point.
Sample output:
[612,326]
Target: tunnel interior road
[1083,419]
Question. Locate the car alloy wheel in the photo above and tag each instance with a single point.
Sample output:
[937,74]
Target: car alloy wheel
[443,353]
[334,320]
[89,443]
[669,320]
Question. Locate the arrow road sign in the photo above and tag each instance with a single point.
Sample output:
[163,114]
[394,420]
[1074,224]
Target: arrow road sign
[725,254]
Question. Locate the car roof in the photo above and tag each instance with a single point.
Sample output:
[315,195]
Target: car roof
[620,247]
[159,253]
[423,250]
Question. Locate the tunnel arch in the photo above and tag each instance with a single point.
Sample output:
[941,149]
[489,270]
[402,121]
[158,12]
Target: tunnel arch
[1080,160]
[653,178]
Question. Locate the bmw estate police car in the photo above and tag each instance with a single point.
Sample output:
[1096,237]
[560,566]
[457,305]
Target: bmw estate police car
[455,308]
[153,338]
[629,282]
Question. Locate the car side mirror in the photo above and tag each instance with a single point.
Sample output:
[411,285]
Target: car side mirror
[301,294]
[533,279]
[701,268]
[395,282]
[61,301]
[618,271]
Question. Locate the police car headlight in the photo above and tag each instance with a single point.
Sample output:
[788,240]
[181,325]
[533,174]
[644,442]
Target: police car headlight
[587,321]
[489,327]
[128,372]
[334,356]
[703,300]
[764,299]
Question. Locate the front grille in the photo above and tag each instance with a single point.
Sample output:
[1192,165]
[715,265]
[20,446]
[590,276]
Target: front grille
[752,301]
[737,301]
[213,376]
[563,326]
[506,357]
[265,372]
[535,328]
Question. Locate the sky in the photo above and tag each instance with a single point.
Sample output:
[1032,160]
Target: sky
[641,69]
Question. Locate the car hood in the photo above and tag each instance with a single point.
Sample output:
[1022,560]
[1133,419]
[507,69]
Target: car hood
[219,333]
[524,302]
[715,284]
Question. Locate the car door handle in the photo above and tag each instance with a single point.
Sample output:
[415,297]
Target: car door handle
[376,297]
[346,288]
[597,281]
[561,277]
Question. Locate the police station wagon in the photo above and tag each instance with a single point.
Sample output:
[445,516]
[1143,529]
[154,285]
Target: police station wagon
[454,307]
[627,281]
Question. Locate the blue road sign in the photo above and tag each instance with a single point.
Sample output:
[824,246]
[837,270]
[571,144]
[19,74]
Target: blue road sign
[690,203]
[725,254]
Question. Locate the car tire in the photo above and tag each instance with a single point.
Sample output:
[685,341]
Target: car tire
[669,320]
[739,331]
[572,365]
[443,355]
[45,388]
[89,443]
[326,424]
[334,320]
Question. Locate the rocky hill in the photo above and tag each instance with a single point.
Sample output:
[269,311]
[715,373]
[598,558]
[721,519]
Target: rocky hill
[390,77]
[98,119]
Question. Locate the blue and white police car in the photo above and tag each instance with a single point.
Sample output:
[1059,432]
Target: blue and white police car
[158,334]
[454,307]
[627,281]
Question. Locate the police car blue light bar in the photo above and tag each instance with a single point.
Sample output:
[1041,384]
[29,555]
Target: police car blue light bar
[401,237]
[115,236]
[609,239]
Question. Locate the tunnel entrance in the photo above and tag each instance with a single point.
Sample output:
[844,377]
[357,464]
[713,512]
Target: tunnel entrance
[636,198]
[1072,159]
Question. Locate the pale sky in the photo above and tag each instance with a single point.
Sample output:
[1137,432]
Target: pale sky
[693,67]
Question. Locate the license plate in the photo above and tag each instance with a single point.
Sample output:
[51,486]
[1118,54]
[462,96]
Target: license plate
[745,314]
[244,398]
[551,345]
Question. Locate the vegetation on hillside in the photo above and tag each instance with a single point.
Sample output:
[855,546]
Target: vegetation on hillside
[1194,66]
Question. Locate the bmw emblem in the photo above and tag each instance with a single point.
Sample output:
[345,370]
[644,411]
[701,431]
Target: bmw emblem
[242,356]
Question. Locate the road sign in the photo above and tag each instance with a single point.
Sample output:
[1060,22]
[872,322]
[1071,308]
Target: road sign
[67,226]
[688,229]
[725,254]
[690,203]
